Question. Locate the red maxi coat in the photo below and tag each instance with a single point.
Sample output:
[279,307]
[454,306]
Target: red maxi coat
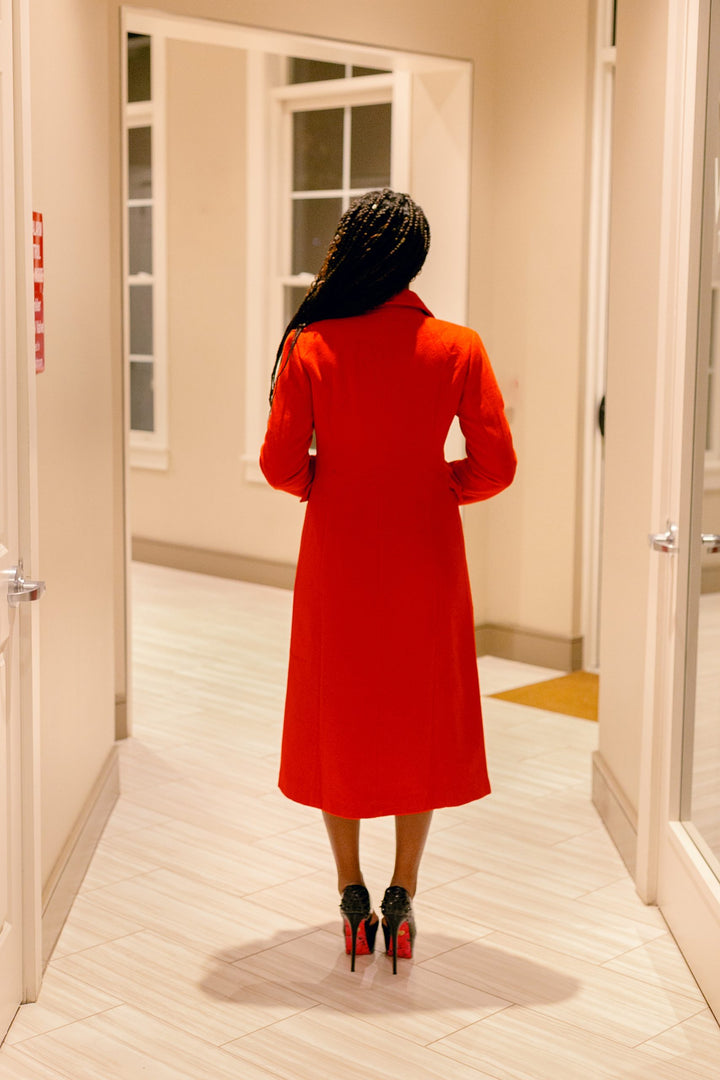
[382,713]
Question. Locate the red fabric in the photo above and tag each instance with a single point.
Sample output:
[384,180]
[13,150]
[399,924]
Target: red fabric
[382,714]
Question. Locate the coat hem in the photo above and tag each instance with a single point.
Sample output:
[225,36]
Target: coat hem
[421,806]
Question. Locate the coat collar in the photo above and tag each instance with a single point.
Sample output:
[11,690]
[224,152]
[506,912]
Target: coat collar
[407,299]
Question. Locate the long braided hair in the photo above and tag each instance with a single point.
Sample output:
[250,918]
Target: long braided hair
[379,246]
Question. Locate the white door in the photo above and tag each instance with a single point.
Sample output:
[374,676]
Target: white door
[19,904]
[679,821]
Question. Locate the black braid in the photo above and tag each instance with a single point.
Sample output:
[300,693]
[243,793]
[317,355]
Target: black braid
[379,246]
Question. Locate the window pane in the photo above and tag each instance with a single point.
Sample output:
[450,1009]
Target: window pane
[138,67]
[142,410]
[140,230]
[301,71]
[359,71]
[140,163]
[293,296]
[141,320]
[314,224]
[317,149]
[370,146]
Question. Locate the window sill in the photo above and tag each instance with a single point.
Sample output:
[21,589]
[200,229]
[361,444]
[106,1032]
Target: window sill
[149,457]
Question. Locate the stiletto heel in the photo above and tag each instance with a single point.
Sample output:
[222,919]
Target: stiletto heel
[398,923]
[360,933]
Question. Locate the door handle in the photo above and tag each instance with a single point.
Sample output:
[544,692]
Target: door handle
[667,541]
[711,542]
[21,591]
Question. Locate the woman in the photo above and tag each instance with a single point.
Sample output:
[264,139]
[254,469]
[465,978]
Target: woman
[382,713]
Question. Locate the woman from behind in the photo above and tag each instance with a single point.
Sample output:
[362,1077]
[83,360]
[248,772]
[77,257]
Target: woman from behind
[382,712]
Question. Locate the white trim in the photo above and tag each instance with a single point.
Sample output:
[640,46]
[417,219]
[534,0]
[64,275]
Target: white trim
[596,334]
[280,44]
[659,788]
[149,457]
[400,137]
[28,510]
[332,93]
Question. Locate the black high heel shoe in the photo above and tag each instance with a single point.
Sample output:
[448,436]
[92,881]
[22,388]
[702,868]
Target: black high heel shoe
[359,931]
[398,923]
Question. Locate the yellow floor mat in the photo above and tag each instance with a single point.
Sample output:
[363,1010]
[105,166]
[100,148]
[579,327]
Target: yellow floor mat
[575,694]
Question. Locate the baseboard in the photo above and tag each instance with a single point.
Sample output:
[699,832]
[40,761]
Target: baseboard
[223,564]
[618,816]
[529,647]
[67,875]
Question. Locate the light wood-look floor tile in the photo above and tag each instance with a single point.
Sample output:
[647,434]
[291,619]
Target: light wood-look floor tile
[125,1044]
[206,940]
[539,915]
[203,995]
[616,1006]
[693,1045]
[659,962]
[327,1043]
[521,1044]
[88,925]
[416,1004]
[62,1000]
[194,912]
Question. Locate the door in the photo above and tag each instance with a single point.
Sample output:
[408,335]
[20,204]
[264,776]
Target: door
[679,834]
[10,762]
[19,878]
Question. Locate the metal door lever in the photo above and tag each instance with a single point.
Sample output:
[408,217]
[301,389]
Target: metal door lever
[711,542]
[21,591]
[666,541]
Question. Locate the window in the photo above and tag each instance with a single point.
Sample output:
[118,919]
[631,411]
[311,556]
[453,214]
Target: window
[337,150]
[144,248]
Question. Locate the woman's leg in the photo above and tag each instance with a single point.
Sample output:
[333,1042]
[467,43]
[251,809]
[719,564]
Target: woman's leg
[411,832]
[344,834]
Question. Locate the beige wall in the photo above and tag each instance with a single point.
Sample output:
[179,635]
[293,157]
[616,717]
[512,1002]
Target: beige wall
[529,143]
[203,500]
[633,323]
[71,154]
[530,536]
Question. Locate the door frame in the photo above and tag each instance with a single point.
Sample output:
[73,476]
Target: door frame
[28,624]
[670,870]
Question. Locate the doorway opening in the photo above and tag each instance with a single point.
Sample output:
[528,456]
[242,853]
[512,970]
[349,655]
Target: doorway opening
[241,147]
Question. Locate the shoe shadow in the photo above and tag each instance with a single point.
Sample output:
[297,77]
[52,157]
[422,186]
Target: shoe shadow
[446,974]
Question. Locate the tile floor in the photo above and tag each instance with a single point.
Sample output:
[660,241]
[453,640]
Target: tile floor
[205,942]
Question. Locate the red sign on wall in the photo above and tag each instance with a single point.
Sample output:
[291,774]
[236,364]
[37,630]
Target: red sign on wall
[39,284]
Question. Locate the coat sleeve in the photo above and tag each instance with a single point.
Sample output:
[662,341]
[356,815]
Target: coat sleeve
[490,464]
[285,459]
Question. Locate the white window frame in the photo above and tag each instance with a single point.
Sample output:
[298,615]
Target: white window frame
[282,100]
[149,449]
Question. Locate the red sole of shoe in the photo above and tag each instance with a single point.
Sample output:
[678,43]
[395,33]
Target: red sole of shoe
[404,944]
[361,945]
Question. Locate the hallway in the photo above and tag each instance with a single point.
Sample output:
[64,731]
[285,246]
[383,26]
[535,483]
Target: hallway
[206,938]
